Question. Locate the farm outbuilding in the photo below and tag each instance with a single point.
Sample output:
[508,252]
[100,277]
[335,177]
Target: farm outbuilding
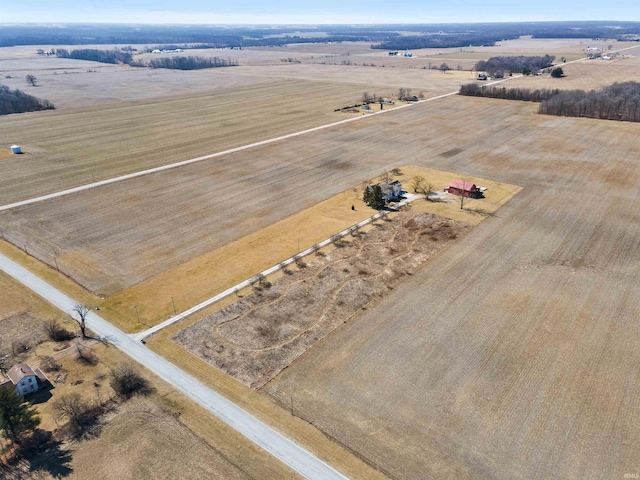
[16,149]
[468,189]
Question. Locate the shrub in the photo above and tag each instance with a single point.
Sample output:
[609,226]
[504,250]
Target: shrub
[57,333]
[127,381]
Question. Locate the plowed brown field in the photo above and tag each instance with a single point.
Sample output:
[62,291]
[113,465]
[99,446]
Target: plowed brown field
[512,354]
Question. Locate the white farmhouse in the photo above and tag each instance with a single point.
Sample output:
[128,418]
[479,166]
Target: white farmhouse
[24,379]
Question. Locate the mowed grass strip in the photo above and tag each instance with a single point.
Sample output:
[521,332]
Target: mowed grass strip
[72,147]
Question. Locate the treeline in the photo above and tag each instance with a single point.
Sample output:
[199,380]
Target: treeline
[189,63]
[384,36]
[16,101]
[103,56]
[620,101]
[513,64]
[522,94]
[443,41]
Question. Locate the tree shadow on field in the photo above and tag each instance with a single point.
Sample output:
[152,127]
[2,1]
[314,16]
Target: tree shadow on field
[45,454]
[484,213]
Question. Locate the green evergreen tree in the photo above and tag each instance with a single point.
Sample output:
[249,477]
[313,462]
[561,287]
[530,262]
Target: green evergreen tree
[18,418]
[378,201]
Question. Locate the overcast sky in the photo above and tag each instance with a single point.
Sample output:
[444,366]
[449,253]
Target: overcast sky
[310,12]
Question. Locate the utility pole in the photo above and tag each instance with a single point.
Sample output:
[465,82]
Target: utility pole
[174,306]
[137,314]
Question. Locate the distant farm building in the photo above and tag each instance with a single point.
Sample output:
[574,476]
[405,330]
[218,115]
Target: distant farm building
[482,76]
[468,189]
[23,379]
[16,149]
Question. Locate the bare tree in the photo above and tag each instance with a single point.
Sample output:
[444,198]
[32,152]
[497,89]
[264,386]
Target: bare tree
[82,311]
[444,67]
[417,183]
[404,93]
[55,332]
[31,80]
[462,195]
[85,354]
[80,413]
[386,177]
[428,190]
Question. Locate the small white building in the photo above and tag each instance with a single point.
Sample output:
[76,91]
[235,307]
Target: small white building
[24,379]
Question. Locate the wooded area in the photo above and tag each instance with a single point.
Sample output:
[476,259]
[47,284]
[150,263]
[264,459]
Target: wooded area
[504,93]
[16,101]
[103,56]
[620,101]
[190,63]
[513,64]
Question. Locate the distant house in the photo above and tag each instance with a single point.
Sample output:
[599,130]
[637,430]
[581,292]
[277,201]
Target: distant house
[391,191]
[24,380]
[468,189]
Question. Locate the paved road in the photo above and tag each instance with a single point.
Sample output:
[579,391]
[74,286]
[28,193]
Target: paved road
[279,446]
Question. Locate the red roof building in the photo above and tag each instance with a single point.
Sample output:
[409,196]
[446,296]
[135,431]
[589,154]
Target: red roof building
[468,189]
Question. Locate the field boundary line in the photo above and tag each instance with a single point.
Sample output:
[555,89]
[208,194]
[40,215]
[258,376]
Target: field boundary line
[141,336]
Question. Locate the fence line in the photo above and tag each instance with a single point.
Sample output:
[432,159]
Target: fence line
[278,266]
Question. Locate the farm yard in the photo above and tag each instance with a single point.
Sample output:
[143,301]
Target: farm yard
[511,353]
[258,336]
[129,431]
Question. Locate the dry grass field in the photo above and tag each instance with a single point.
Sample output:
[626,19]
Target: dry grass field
[141,442]
[258,336]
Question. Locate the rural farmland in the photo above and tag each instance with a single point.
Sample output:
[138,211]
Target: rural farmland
[495,339]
